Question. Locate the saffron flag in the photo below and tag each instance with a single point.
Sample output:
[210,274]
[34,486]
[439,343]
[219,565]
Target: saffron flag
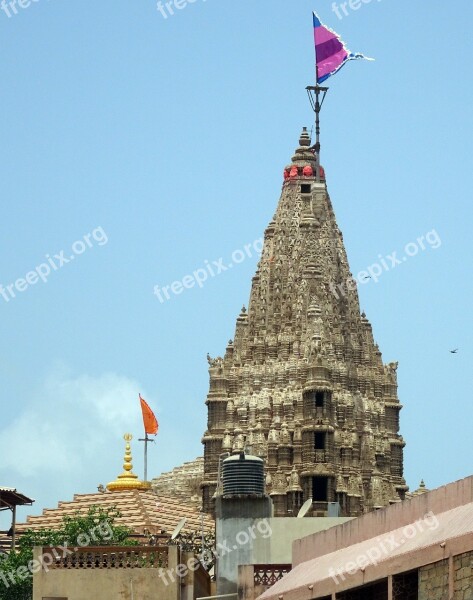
[149,420]
[330,52]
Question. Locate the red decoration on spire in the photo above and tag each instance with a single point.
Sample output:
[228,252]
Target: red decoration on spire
[307,171]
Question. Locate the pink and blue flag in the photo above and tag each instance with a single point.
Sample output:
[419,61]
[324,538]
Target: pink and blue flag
[330,52]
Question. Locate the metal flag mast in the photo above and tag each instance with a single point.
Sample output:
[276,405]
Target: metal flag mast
[315,93]
[146,440]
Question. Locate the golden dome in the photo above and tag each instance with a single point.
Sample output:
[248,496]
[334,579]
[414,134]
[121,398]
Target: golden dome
[128,480]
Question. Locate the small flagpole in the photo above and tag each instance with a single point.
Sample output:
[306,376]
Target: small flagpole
[317,113]
[146,456]
[146,440]
[314,93]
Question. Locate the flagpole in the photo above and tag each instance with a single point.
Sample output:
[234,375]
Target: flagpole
[146,456]
[314,93]
[146,439]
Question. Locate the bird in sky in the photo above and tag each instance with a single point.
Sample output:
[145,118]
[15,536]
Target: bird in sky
[454,351]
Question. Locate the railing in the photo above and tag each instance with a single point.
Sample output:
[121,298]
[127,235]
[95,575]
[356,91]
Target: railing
[106,557]
[268,575]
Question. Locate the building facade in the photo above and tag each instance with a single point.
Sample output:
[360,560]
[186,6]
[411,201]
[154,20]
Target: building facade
[420,549]
[302,384]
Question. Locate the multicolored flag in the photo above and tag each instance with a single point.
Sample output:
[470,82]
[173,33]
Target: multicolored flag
[330,52]
[149,420]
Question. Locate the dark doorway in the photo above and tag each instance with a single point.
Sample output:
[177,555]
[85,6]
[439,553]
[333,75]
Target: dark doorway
[319,399]
[319,440]
[320,489]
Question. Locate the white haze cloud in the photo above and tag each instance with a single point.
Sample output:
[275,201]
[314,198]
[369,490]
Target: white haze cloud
[69,437]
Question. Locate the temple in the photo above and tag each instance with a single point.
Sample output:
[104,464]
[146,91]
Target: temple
[303,384]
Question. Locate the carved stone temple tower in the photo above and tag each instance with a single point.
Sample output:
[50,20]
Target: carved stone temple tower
[303,385]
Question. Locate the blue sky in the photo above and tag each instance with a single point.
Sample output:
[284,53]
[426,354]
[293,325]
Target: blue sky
[144,146]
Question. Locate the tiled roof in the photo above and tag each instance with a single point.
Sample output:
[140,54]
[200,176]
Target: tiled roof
[142,511]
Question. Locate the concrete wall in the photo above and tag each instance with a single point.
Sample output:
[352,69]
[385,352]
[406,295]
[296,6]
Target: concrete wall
[277,549]
[122,583]
[239,523]
[381,521]
[106,584]
[268,541]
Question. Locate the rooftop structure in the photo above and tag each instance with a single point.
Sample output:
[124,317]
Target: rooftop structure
[141,510]
[144,511]
[10,498]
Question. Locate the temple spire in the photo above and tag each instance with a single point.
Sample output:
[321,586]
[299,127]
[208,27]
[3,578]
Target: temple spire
[304,381]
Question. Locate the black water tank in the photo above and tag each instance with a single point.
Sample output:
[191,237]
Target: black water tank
[243,475]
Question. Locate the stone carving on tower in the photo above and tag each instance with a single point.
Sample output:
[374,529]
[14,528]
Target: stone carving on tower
[302,384]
